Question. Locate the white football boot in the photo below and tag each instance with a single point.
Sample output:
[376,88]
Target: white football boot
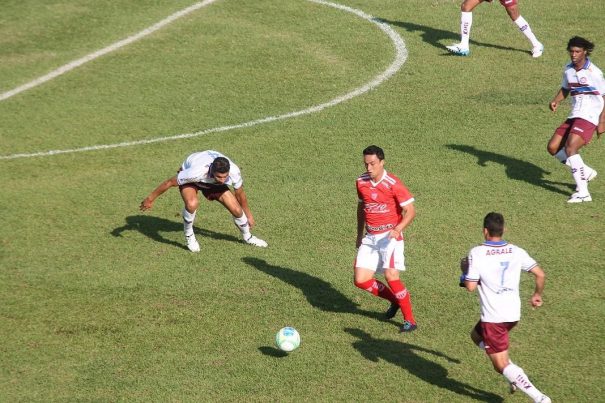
[578,198]
[537,51]
[192,243]
[252,240]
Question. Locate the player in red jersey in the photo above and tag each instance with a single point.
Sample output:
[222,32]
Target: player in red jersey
[385,209]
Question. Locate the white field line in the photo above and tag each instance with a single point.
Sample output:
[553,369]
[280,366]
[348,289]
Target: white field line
[401,54]
[77,63]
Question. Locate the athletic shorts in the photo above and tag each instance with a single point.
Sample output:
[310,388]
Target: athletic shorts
[505,3]
[494,335]
[378,252]
[579,126]
[211,192]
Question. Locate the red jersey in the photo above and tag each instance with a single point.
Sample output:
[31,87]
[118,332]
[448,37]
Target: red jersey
[383,201]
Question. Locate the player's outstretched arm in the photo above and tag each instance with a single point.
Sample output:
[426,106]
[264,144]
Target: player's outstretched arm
[540,280]
[162,187]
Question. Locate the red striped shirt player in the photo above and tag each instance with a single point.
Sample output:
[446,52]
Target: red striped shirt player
[386,208]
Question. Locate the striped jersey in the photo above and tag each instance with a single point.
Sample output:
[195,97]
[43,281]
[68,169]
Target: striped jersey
[497,267]
[586,88]
[196,169]
[383,201]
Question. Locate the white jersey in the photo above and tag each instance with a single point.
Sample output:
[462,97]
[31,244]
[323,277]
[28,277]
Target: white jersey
[497,267]
[196,169]
[586,88]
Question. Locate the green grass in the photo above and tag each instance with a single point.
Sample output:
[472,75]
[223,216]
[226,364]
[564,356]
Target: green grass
[99,302]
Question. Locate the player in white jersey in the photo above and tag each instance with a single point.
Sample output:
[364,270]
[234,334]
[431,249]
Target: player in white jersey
[212,173]
[585,83]
[494,268]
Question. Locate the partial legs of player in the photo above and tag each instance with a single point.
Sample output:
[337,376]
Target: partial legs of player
[228,200]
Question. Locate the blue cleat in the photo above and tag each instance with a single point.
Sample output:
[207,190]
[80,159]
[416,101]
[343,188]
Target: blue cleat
[407,327]
[457,49]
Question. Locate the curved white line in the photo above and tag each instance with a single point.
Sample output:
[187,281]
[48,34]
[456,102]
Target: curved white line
[115,46]
[401,54]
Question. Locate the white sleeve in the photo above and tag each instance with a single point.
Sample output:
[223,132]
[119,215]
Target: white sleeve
[236,176]
[527,262]
[564,83]
[473,270]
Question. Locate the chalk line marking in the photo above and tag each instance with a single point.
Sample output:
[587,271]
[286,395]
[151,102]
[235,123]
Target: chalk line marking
[77,63]
[401,55]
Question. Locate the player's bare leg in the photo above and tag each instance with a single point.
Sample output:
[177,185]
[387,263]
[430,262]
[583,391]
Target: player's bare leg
[228,200]
[189,195]
[466,21]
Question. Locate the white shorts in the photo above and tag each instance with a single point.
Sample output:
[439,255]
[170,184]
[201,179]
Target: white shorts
[378,252]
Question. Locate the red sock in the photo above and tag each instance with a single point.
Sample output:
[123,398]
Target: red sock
[377,288]
[403,298]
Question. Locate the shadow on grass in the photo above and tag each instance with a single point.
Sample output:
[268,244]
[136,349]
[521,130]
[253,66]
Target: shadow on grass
[515,168]
[434,36]
[405,355]
[319,293]
[272,352]
[154,227]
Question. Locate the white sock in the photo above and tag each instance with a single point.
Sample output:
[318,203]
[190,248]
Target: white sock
[578,171]
[188,221]
[515,375]
[524,27]
[243,225]
[466,20]
[561,155]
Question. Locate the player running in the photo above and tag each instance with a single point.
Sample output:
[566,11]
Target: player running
[512,9]
[212,173]
[584,81]
[385,209]
[494,268]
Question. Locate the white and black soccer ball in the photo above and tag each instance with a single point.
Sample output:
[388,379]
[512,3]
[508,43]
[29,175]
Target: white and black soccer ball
[287,339]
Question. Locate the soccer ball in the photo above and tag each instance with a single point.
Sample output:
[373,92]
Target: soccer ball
[287,339]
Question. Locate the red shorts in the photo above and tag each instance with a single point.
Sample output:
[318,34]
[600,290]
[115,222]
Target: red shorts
[211,192]
[579,126]
[506,3]
[494,335]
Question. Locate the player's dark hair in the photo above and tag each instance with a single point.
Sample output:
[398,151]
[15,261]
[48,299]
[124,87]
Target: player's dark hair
[579,42]
[494,223]
[374,150]
[220,165]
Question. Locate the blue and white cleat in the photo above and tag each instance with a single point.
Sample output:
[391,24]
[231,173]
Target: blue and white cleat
[457,49]
[579,198]
[537,51]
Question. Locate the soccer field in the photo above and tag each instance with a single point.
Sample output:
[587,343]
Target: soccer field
[102,302]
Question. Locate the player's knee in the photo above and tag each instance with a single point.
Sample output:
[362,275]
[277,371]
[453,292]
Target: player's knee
[192,204]
[552,149]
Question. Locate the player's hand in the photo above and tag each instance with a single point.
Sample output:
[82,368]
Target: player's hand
[146,204]
[394,234]
[553,106]
[600,129]
[464,265]
[536,300]
[251,221]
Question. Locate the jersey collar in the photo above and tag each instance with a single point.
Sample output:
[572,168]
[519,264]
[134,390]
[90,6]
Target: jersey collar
[495,243]
[384,174]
